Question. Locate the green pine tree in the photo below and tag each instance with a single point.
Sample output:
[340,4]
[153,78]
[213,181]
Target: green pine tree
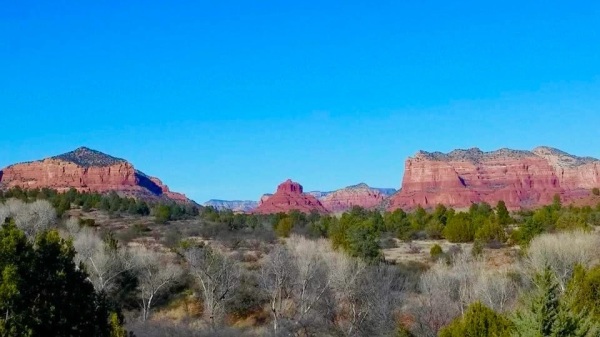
[502,214]
[43,292]
[548,314]
[478,321]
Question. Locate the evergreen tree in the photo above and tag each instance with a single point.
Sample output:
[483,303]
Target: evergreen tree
[460,228]
[545,315]
[478,321]
[502,214]
[491,231]
[556,202]
[584,291]
[43,292]
[398,223]
[283,228]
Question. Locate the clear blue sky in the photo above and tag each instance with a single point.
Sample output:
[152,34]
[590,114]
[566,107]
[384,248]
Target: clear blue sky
[225,99]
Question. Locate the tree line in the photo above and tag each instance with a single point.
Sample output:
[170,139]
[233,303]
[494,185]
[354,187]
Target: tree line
[110,202]
[313,275]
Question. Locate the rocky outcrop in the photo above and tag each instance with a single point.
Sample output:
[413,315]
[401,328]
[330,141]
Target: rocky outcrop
[265,197]
[358,195]
[289,196]
[520,178]
[234,205]
[87,170]
[164,189]
[336,201]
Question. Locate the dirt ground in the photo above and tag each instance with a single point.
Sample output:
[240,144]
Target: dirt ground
[418,251]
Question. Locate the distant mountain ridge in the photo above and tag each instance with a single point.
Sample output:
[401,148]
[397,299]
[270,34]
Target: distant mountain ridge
[522,178]
[334,201]
[234,205]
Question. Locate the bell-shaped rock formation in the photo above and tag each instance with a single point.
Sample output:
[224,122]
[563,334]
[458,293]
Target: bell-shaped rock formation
[289,196]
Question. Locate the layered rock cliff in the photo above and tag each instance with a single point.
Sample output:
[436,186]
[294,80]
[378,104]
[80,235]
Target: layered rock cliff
[87,170]
[358,195]
[289,196]
[520,178]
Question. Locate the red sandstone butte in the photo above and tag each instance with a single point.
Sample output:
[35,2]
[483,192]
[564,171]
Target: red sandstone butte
[523,179]
[87,170]
[358,195]
[289,196]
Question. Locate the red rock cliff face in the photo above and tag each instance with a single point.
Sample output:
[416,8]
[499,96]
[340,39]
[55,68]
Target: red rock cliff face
[289,196]
[358,195]
[520,178]
[58,174]
[86,170]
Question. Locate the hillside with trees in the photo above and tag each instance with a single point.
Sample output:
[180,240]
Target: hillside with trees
[88,264]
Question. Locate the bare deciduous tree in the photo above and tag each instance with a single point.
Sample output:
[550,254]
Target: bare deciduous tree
[447,290]
[438,302]
[312,280]
[103,263]
[277,276]
[315,290]
[155,273]
[218,276]
[4,213]
[496,290]
[466,271]
[562,252]
[32,218]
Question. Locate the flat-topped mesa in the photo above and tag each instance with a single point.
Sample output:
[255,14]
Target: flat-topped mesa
[90,171]
[289,196]
[520,178]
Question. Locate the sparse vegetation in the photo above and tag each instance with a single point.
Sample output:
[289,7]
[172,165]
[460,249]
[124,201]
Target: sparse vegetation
[318,275]
[436,251]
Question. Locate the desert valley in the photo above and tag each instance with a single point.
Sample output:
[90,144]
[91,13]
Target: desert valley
[464,227]
[299,169]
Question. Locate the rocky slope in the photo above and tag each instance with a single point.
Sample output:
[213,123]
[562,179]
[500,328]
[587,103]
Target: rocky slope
[234,205]
[520,178]
[358,195]
[87,170]
[289,196]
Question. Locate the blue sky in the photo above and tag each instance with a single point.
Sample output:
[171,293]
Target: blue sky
[225,99]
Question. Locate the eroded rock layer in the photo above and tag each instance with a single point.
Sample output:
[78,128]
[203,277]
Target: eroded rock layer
[86,170]
[520,178]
